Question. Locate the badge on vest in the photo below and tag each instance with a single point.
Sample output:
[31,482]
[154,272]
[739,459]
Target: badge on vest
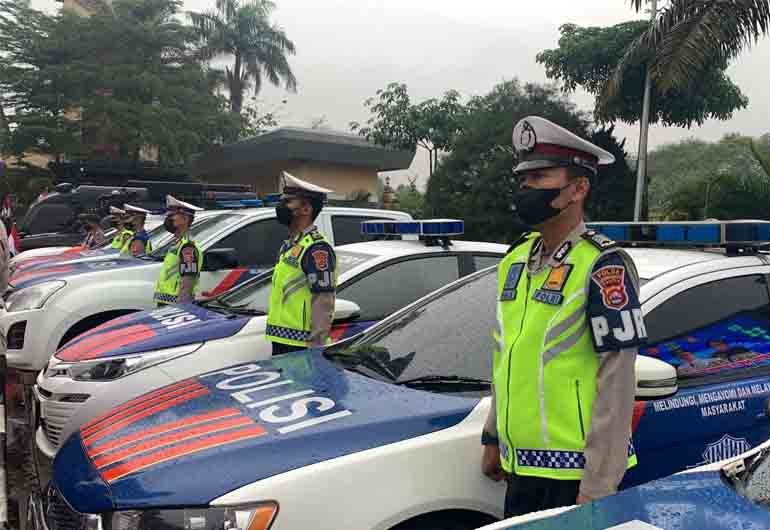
[554,284]
[511,282]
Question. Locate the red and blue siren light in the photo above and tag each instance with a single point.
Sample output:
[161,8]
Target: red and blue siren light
[688,233]
[442,228]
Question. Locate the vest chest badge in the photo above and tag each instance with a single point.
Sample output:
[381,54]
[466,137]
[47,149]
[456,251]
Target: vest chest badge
[551,292]
[511,282]
[292,256]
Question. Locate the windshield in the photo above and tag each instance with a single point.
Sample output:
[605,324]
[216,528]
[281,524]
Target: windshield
[448,336]
[255,296]
[199,232]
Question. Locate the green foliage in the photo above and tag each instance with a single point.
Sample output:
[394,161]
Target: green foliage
[259,48]
[397,123]
[686,166]
[410,200]
[588,56]
[612,190]
[107,85]
[687,37]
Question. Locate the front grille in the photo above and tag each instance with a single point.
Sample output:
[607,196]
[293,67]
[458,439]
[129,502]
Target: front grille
[58,514]
[55,411]
[16,335]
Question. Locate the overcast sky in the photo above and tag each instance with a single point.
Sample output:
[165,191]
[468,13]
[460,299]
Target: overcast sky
[347,49]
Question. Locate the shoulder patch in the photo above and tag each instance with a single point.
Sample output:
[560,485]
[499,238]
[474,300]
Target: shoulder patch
[598,240]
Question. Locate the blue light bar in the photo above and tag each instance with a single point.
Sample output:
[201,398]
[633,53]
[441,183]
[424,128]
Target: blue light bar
[428,228]
[693,233]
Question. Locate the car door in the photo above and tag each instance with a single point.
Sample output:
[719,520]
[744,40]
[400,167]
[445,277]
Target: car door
[717,334]
[392,286]
[256,246]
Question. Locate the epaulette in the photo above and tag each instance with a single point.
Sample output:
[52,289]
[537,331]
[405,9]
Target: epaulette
[316,235]
[522,239]
[598,240]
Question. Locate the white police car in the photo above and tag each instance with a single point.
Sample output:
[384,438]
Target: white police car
[382,431]
[41,256]
[50,305]
[132,355]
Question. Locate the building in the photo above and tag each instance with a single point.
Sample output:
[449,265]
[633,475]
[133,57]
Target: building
[346,163]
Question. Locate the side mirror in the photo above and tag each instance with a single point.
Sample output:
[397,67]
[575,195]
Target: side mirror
[218,259]
[655,379]
[345,310]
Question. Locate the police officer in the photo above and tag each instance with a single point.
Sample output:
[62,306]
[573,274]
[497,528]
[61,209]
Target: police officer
[94,233]
[124,232]
[183,261]
[304,279]
[139,244]
[569,328]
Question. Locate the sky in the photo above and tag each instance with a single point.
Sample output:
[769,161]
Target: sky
[347,49]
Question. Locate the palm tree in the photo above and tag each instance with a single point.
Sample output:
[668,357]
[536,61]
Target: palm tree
[243,30]
[687,35]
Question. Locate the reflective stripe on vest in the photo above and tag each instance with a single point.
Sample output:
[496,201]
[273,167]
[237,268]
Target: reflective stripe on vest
[167,286]
[545,372]
[289,317]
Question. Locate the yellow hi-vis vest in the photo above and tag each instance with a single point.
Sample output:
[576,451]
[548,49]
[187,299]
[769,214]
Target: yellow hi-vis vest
[121,238]
[169,280]
[126,248]
[289,316]
[545,374]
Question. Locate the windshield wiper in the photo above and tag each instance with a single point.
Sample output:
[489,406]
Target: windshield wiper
[441,380]
[353,359]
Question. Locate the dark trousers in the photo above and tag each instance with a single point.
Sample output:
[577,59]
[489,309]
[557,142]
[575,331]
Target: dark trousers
[533,494]
[279,348]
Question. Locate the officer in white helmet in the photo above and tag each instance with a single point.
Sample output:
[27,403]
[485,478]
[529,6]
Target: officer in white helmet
[183,262]
[570,325]
[139,244]
[305,277]
[119,220]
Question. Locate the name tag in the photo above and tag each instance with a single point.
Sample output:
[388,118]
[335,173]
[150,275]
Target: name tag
[548,297]
[511,282]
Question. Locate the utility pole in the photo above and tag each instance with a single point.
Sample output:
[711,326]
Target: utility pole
[644,129]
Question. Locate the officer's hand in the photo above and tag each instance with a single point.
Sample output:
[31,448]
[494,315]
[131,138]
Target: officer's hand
[490,463]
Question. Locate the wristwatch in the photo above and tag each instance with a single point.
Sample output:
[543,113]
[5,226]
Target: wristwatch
[488,439]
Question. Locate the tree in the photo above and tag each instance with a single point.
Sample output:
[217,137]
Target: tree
[475,181]
[108,85]
[687,37]
[410,199]
[588,56]
[242,29]
[612,190]
[399,124]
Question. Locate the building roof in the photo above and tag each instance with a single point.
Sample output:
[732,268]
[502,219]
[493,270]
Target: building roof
[294,143]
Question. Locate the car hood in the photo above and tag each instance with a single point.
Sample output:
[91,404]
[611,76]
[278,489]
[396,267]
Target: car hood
[236,426]
[688,501]
[149,331]
[63,269]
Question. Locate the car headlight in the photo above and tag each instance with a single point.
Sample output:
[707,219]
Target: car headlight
[115,367]
[256,517]
[33,297]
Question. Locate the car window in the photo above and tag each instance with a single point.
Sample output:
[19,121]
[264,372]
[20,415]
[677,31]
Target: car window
[397,285]
[713,329]
[448,335]
[201,231]
[482,262]
[258,244]
[347,228]
[49,217]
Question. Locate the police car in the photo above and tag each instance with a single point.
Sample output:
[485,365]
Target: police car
[382,431]
[137,353]
[48,306]
[40,257]
[730,494]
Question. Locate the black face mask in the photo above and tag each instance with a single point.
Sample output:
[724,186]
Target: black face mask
[168,224]
[534,205]
[284,214]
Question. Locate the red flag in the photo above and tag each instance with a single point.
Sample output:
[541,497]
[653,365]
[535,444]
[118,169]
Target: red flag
[14,241]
